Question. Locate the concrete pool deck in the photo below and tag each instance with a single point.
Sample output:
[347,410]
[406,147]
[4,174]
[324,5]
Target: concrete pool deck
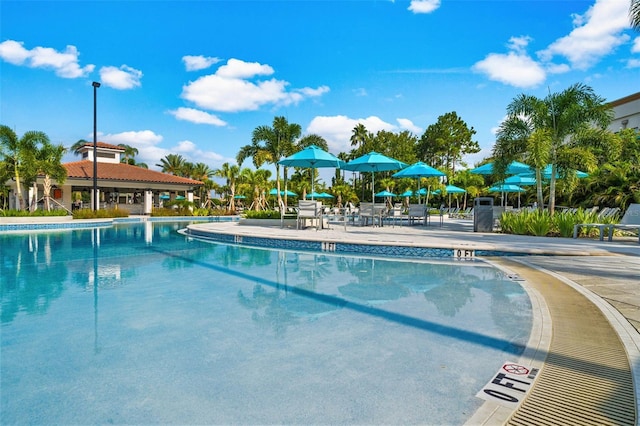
[587,301]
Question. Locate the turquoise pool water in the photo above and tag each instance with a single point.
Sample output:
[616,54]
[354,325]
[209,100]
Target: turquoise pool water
[139,324]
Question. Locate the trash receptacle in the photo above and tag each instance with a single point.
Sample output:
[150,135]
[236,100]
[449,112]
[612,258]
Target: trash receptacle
[483,214]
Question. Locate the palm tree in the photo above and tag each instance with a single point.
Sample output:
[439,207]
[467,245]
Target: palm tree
[634,14]
[547,130]
[129,154]
[17,154]
[203,173]
[258,182]
[270,145]
[48,162]
[230,174]
[173,164]
[76,147]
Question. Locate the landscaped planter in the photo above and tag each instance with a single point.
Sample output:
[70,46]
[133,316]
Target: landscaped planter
[267,222]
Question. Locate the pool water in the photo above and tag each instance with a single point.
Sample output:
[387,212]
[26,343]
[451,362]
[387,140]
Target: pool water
[139,324]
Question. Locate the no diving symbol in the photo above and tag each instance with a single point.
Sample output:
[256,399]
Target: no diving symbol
[515,369]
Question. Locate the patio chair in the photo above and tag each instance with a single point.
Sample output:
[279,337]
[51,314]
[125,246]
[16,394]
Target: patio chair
[309,210]
[417,212]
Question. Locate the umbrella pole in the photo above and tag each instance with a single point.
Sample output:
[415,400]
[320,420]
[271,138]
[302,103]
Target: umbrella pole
[418,189]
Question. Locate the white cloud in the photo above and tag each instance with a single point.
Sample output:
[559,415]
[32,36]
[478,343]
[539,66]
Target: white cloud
[236,87]
[147,143]
[337,130]
[120,78]
[424,6]
[596,34]
[633,63]
[65,64]
[196,63]
[515,69]
[407,124]
[197,116]
[192,153]
[636,45]
[360,92]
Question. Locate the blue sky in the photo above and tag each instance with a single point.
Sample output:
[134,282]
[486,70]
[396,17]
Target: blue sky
[196,77]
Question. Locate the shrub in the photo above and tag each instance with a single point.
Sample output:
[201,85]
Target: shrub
[514,223]
[539,223]
[100,214]
[262,214]
[36,213]
[563,223]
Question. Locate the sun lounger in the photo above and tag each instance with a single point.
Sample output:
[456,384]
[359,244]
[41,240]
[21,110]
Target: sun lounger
[630,221]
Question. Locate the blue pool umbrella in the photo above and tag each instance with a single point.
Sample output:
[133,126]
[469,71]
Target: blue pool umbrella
[512,169]
[312,157]
[452,189]
[407,193]
[506,188]
[419,170]
[274,191]
[239,197]
[373,162]
[315,195]
[520,180]
[385,193]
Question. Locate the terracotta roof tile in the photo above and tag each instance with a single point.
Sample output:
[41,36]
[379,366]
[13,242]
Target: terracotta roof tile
[123,172]
[104,145]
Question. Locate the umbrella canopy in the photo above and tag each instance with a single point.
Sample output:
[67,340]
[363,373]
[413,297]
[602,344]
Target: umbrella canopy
[385,193]
[314,195]
[520,180]
[274,191]
[312,157]
[506,188]
[452,189]
[419,170]
[239,197]
[373,162]
[407,193]
[513,169]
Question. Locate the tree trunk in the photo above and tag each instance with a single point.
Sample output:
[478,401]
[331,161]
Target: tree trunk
[552,190]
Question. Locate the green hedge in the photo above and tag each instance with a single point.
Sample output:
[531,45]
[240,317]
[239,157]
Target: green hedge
[37,213]
[100,214]
[541,223]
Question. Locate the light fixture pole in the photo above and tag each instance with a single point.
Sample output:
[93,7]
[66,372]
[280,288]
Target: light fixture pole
[95,85]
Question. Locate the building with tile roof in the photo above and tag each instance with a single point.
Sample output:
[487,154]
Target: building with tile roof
[130,187]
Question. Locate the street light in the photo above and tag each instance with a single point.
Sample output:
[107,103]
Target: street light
[95,85]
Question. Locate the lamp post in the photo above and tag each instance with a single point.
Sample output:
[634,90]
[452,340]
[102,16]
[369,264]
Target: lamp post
[95,85]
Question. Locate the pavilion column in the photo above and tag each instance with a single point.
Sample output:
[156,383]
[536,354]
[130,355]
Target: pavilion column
[97,194]
[148,201]
[190,199]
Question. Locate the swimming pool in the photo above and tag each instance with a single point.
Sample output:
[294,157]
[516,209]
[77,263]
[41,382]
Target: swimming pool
[136,323]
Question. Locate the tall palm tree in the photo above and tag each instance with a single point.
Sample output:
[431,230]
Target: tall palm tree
[547,129]
[17,153]
[76,147]
[173,164]
[48,162]
[258,182]
[230,174]
[203,173]
[270,145]
[129,154]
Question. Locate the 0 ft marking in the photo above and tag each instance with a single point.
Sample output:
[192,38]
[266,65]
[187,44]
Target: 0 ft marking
[464,253]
